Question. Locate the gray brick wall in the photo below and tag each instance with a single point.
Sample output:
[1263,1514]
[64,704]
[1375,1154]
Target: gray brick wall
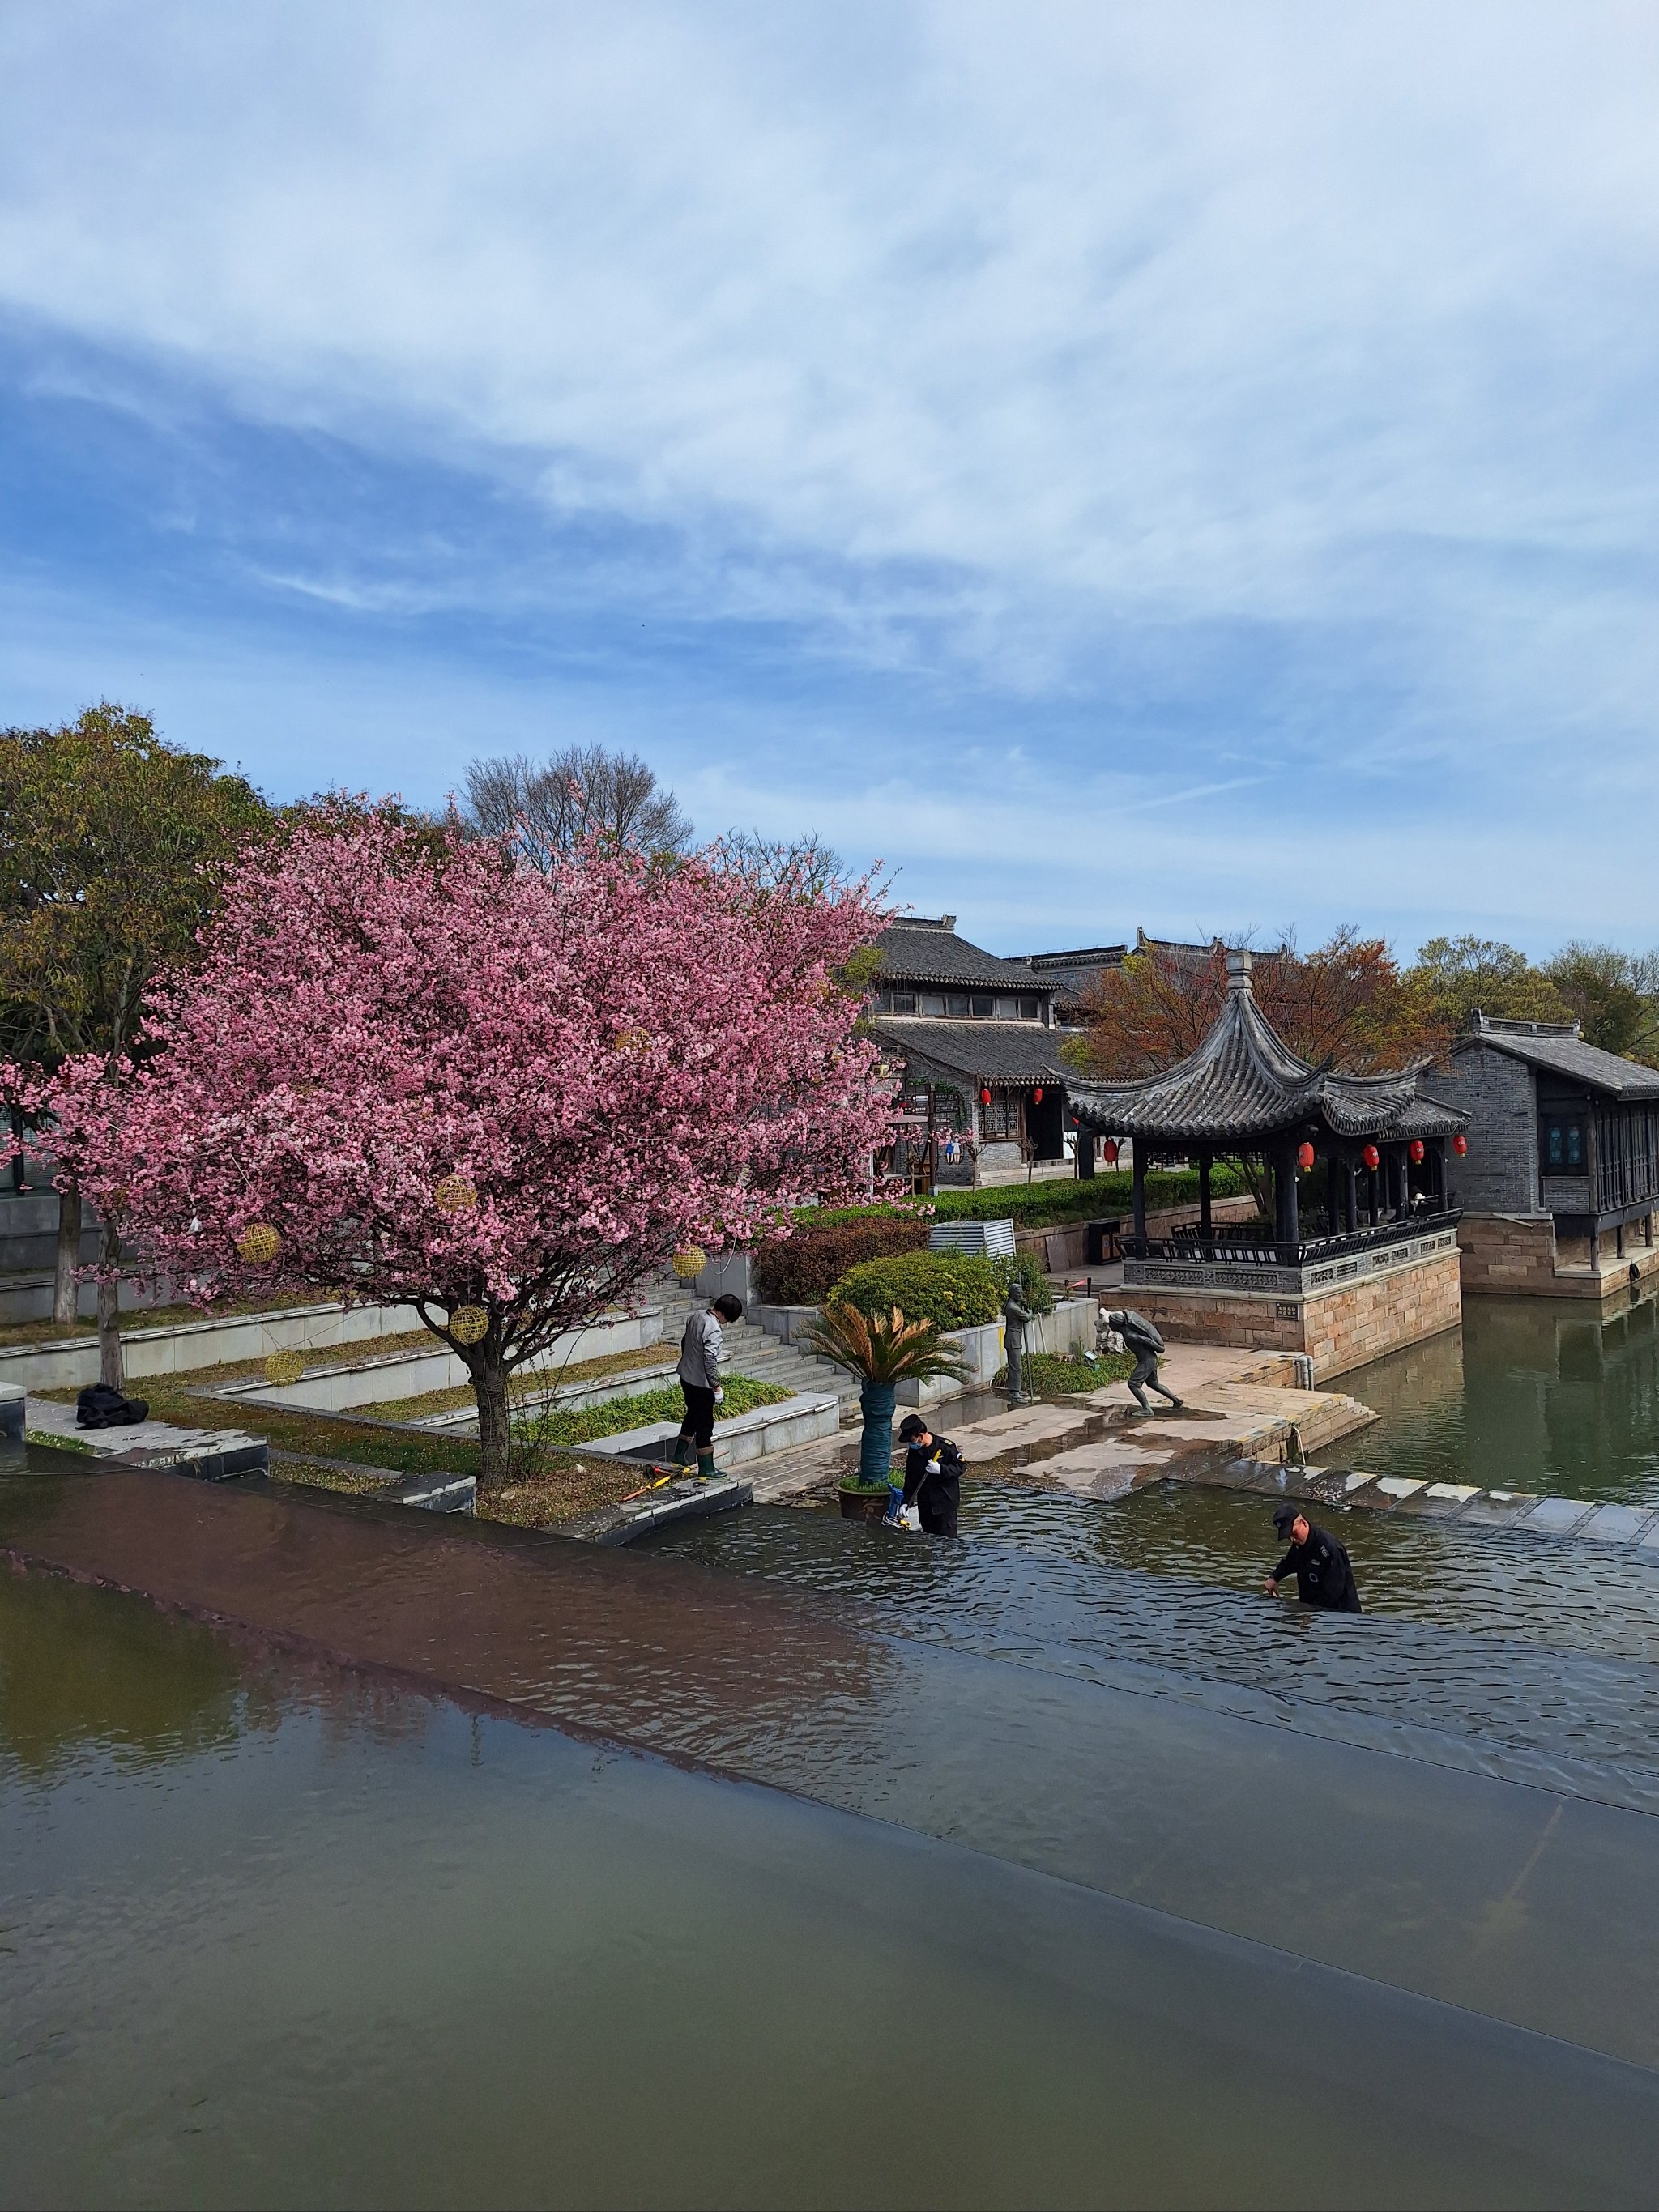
[1500,1172]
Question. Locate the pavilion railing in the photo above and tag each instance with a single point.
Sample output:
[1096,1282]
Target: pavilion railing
[1226,1247]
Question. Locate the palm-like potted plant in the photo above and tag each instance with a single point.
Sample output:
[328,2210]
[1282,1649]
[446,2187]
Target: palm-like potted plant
[882,1350]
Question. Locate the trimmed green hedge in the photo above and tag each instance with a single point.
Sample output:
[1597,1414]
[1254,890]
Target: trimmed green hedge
[957,1290]
[1029,1272]
[1039,1205]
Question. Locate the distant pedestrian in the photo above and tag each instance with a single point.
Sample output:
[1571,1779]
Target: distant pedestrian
[1143,1340]
[1017,1316]
[1323,1575]
[933,1476]
[699,1372]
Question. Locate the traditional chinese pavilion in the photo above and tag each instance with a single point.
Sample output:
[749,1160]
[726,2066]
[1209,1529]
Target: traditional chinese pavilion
[1376,1264]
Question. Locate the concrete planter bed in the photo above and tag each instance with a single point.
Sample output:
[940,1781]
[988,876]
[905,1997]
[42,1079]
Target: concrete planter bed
[1070,1327]
[412,1374]
[798,1420]
[181,1348]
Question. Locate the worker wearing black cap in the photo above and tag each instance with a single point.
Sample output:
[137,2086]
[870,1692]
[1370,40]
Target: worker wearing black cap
[1323,1576]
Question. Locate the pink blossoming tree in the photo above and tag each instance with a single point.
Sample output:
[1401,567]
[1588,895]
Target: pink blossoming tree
[444,1080]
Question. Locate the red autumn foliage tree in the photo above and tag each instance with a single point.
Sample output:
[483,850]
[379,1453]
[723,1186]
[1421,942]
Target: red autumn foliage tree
[1347,1002]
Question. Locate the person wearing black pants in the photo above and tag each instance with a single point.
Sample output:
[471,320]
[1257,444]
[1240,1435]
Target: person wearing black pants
[933,1476]
[699,1372]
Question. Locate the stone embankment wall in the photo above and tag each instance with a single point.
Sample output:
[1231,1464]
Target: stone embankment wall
[1520,1255]
[1508,1252]
[1338,1329]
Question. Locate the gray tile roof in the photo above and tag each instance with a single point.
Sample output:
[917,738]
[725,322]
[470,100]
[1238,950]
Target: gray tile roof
[981,1052]
[1073,973]
[923,952]
[1559,1053]
[1244,1082]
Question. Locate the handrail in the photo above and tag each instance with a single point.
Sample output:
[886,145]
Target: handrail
[1222,1248]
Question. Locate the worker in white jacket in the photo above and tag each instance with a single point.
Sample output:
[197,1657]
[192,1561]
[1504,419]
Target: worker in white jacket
[699,1372]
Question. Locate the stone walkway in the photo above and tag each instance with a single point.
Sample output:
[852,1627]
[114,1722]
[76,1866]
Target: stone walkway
[1239,1405]
[215,1452]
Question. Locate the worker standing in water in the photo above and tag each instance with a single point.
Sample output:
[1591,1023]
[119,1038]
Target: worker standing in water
[933,1476]
[1323,1575]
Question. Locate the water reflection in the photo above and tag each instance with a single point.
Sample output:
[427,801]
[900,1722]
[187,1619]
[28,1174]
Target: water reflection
[1532,1394]
[79,1673]
[460,1962]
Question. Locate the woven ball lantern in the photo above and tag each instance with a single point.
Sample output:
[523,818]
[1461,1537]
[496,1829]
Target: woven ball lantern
[1371,1157]
[689,1263]
[1460,1144]
[1108,1151]
[631,1040]
[454,1194]
[259,1243]
[468,1324]
[1415,1150]
[285,1367]
[1305,1157]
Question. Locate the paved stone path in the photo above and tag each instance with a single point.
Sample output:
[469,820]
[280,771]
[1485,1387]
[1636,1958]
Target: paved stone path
[162,1443]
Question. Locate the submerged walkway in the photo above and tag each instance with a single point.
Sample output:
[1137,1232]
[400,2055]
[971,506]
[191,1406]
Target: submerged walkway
[1239,1405]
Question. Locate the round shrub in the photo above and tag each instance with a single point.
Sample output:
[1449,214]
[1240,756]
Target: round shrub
[954,1290]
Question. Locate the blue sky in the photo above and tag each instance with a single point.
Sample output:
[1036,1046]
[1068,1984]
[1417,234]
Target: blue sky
[1191,467]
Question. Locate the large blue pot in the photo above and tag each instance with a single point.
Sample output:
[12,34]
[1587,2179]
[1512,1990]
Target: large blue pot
[876,1402]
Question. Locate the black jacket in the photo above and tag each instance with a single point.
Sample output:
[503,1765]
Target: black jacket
[1323,1576]
[935,1492]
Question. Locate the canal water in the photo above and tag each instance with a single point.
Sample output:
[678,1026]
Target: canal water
[355,1855]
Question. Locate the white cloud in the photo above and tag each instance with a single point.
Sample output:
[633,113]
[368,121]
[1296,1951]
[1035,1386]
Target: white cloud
[1055,347]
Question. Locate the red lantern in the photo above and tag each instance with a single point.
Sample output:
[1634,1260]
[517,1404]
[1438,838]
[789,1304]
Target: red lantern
[1371,1157]
[1037,1096]
[1460,1144]
[1415,1148]
[1108,1151]
[984,1098]
[1305,1157]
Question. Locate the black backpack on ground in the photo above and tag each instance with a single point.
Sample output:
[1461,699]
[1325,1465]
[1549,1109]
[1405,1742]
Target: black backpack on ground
[99,1406]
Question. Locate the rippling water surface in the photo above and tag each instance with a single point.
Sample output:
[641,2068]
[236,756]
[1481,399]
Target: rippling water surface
[1076,1845]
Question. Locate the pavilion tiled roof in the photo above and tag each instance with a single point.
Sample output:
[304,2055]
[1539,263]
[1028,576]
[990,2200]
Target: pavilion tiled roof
[929,952]
[979,1052]
[1244,1082]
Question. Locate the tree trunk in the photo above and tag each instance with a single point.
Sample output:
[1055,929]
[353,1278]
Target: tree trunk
[495,1431]
[66,1290]
[110,1367]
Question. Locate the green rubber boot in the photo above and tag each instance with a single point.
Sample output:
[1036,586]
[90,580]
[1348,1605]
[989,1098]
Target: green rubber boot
[706,1468]
[680,1453]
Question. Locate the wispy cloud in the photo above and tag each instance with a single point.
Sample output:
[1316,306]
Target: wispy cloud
[1245,414]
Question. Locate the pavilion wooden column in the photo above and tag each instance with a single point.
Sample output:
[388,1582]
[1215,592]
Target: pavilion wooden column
[1333,1193]
[1349,1193]
[1204,1157]
[1138,1165]
[1285,1229]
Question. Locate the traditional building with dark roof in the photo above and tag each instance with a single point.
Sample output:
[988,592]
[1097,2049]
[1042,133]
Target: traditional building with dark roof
[984,1085]
[1561,1182]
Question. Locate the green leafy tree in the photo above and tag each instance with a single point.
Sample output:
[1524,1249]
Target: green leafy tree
[1615,997]
[110,846]
[1455,976]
